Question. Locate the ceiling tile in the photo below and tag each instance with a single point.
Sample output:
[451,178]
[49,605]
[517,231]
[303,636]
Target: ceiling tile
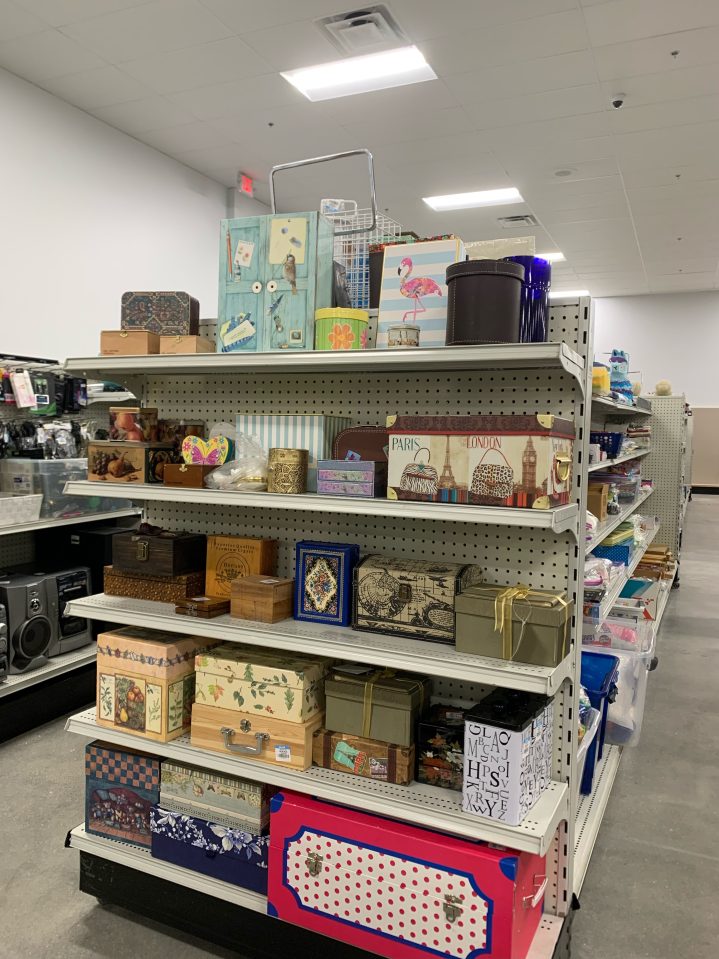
[667,176]
[58,13]
[530,170]
[513,43]
[430,177]
[433,149]
[642,149]
[210,63]
[230,99]
[684,282]
[401,128]
[501,112]
[623,20]
[155,27]
[654,54]
[604,210]
[41,56]
[523,78]
[269,13]
[422,19]
[292,45]
[662,87]
[573,195]
[138,116]
[100,87]
[418,103]
[16,21]
[189,136]
[671,113]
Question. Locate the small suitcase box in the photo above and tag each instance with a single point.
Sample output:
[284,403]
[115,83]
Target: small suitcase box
[120,790]
[382,762]
[423,893]
[491,460]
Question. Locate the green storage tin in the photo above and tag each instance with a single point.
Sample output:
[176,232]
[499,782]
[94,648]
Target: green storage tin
[338,328]
[376,703]
[512,623]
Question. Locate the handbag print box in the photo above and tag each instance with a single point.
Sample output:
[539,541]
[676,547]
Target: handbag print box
[413,296]
[492,460]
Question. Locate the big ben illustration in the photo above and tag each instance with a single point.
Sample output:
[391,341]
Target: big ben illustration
[529,467]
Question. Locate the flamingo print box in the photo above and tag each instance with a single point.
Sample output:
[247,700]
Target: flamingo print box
[413,296]
[397,890]
[491,460]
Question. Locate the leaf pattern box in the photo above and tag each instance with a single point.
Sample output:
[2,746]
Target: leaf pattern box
[120,790]
[491,460]
[146,681]
[422,893]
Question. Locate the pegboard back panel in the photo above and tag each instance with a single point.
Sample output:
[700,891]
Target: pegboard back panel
[16,548]
[664,465]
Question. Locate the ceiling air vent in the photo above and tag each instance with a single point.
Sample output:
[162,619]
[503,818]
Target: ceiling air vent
[510,222]
[367,30]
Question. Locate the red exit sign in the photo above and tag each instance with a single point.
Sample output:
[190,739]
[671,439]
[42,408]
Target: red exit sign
[246,185]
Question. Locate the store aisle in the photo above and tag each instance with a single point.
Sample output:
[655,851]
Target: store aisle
[652,888]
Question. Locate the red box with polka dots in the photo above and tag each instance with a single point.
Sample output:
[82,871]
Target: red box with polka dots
[397,890]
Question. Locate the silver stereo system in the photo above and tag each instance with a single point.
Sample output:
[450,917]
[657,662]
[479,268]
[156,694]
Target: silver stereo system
[37,624]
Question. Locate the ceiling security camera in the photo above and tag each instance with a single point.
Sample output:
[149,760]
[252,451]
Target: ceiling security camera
[618,101]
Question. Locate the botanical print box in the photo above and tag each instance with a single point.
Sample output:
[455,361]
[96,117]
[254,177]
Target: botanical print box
[120,790]
[413,297]
[146,681]
[436,895]
[249,679]
[221,852]
[409,597]
[323,581]
[491,460]
[315,434]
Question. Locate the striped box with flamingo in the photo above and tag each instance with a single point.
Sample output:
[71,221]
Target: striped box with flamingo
[413,297]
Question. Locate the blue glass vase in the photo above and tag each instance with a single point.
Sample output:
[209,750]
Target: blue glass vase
[534,309]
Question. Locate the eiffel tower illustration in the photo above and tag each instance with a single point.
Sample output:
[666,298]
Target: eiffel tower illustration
[447,480]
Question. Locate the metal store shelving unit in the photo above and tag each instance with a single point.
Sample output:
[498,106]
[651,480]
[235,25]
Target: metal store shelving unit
[605,528]
[667,463]
[590,812]
[510,545]
[57,666]
[51,523]
[605,464]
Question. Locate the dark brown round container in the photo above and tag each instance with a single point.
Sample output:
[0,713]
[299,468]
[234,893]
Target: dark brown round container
[484,305]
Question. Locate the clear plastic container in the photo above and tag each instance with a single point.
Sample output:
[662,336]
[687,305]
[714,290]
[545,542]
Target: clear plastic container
[15,510]
[48,477]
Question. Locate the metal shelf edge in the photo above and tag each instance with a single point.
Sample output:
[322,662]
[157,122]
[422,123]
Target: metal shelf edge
[604,464]
[69,520]
[57,666]
[590,813]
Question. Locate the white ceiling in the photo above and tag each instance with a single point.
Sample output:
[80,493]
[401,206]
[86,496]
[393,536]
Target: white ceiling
[524,90]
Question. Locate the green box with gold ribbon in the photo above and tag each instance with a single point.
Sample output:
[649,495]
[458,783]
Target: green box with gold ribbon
[514,623]
[376,703]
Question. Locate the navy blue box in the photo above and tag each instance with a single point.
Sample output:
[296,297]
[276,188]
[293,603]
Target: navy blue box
[214,850]
[323,581]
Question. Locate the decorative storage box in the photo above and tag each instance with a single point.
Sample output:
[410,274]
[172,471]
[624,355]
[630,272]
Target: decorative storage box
[146,681]
[275,271]
[413,297]
[383,762]
[249,679]
[409,597]
[493,460]
[252,736]
[362,443]
[309,432]
[174,431]
[186,344]
[230,855]
[449,897]
[161,589]
[440,746]
[165,313]
[128,462]
[120,790]
[323,584]
[370,703]
[202,607]
[264,599]
[125,343]
[597,500]
[184,786]
[338,328]
[188,475]
[352,478]
[513,623]
[507,756]
[133,424]
[230,557]
[159,554]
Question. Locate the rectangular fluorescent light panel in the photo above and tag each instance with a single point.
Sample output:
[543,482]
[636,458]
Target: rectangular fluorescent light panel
[376,71]
[562,294]
[556,257]
[465,201]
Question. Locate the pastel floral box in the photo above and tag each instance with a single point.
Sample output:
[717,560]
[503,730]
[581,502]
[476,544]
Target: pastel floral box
[120,790]
[323,581]
[352,478]
[239,797]
[256,681]
[230,855]
[146,681]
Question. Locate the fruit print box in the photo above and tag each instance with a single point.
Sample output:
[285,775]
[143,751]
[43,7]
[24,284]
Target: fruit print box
[146,681]
[120,790]
[397,890]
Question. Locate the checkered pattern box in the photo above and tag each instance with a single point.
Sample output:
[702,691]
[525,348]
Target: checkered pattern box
[120,790]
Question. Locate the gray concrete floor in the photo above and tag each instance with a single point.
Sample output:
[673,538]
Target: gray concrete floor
[652,889]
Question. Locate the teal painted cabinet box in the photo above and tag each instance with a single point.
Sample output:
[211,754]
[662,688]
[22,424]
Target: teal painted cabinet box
[275,271]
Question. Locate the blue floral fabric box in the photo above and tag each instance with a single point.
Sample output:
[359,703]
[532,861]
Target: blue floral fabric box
[323,581]
[210,848]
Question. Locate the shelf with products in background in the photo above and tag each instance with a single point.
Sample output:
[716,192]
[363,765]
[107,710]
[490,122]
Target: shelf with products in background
[510,545]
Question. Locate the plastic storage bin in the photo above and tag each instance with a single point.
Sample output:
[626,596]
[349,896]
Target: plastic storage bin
[587,754]
[599,677]
[25,476]
[611,443]
[15,510]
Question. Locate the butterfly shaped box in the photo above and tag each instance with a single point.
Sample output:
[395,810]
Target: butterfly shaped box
[491,460]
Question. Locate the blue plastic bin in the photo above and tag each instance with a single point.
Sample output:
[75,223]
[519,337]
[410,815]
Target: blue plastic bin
[600,672]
